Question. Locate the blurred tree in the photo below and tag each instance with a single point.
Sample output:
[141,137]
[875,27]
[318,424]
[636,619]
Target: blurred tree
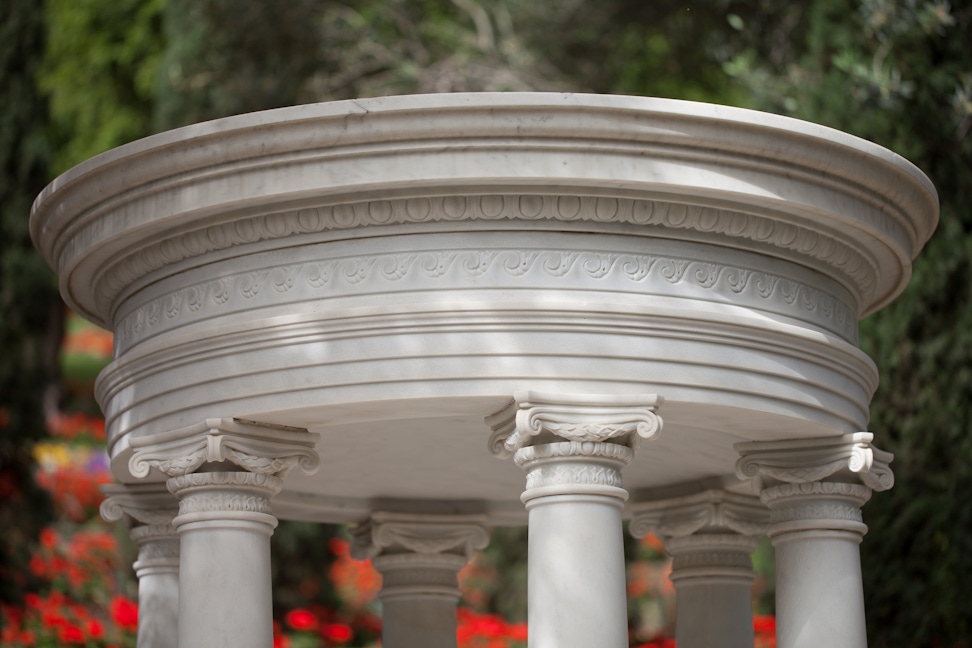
[30,310]
[900,73]
[98,73]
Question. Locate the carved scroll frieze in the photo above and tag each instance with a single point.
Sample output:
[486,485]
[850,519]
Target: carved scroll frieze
[764,231]
[576,418]
[264,449]
[378,272]
[810,460]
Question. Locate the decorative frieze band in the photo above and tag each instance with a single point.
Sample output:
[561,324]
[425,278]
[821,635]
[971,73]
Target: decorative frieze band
[536,418]
[254,447]
[376,272]
[762,231]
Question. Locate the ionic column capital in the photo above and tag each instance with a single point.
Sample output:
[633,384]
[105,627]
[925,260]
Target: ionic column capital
[401,533]
[816,485]
[254,447]
[850,458]
[710,511]
[139,504]
[532,418]
[148,510]
[710,534]
[209,498]
[419,555]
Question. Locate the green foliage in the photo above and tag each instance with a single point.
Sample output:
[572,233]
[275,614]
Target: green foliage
[29,307]
[99,72]
[899,73]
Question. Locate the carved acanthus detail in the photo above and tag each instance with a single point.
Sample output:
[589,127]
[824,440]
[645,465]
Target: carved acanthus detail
[258,448]
[811,460]
[394,533]
[573,417]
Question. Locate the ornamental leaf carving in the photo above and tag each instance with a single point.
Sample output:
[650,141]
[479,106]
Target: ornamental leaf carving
[763,230]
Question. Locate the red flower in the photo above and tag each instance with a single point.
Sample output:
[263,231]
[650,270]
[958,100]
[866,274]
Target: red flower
[48,538]
[70,634]
[95,629]
[37,565]
[337,632]
[124,612]
[764,623]
[301,619]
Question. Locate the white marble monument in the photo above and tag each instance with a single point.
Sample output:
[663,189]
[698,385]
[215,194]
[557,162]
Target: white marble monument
[345,313]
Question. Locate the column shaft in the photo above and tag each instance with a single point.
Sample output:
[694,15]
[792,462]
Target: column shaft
[711,535]
[576,581]
[224,527]
[815,489]
[816,606]
[419,595]
[713,578]
[157,569]
[148,511]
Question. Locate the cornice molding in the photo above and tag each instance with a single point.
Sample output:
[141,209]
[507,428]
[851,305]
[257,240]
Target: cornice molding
[813,190]
[572,417]
[803,461]
[254,447]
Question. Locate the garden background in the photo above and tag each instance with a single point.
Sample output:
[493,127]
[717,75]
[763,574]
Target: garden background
[80,76]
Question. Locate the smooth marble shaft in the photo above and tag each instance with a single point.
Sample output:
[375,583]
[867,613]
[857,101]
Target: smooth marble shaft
[419,622]
[713,614]
[225,588]
[158,602]
[576,581]
[819,594]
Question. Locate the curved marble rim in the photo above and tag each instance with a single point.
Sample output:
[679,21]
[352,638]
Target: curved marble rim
[70,227]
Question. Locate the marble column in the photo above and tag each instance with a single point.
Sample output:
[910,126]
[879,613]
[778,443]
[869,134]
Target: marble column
[224,473]
[815,489]
[419,557]
[710,535]
[148,510]
[573,448]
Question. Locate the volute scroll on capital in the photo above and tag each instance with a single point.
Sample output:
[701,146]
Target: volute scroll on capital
[711,510]
[573,417]
[393,533]
[804,461]
[145,504]
[255,447]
